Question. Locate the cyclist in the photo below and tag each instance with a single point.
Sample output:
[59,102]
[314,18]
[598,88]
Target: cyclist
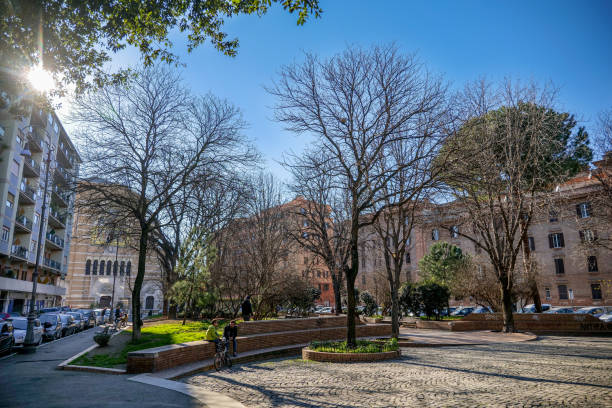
[231,332]
[211,333]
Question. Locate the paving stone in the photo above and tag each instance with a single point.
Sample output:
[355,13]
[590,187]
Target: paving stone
[551,372]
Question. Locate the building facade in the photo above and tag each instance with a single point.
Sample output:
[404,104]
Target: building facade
[570,273]
[102,268]
[36,147]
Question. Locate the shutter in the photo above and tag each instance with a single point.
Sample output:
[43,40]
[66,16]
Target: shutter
[581,235]
[578,213]
[589,210]
[550,240]
[561,241]
[561,266]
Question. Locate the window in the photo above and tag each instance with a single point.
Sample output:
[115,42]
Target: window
[115,268]
[102,265]
[435,235]
[408,241]
[583,210]
[562,292]
[88,267]
[531,243]
[128,268]
[596,291]
[303,274]
[318,274]
[36,218]
[15,168]
[547,291]
[363,279]
[122,268]
[305,224]
[33,246]
[10,200]
[407,257]
[108,267]
[5,234]
[592,263]
[303,210]
[305,260]
[587,236]
[559,267]
[555,240]
[553,216]
[95,268]
[454,231]
[149,302]
[304,235]
[325,287]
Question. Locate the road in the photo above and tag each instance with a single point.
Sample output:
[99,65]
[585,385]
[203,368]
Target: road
[32,380]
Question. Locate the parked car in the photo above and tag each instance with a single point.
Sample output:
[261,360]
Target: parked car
[20,327]
[69,325]
[606,318]
[560,310]
[531,308]
[99,317]
[88,316]
[79,320]
[7,340]
[52,326]
[50,310]
[482,309]
[463,311]
[594,311]
[325,310]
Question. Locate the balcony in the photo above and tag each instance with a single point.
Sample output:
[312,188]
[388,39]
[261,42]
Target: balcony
[51,264]
[59,196]
[31,168]
[64,176]
[23,224]
[55,242]
[56,219]
[64,156]
[27,195]
[16,285]
[20,252]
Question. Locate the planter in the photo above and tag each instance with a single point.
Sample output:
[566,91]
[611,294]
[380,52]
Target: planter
[308,354]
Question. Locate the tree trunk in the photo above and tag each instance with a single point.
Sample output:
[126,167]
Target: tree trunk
[142,259]
[535,294]
[172,310]
[506,293]
[350,315]
[395,307]
[531,279]
[336,282]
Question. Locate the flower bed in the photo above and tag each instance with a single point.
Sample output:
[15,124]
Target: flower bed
[339,352]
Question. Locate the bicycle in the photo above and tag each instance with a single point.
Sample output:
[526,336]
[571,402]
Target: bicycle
[222,356]
[121,322]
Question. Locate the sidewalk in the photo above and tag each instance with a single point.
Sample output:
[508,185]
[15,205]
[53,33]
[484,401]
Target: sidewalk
[438,338]
[32,380]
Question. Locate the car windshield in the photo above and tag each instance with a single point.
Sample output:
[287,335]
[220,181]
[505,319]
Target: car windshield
[20,324]
[584,311]
[77,316]
[48,318]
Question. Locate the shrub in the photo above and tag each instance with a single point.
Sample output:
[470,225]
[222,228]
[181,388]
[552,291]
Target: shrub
[363,346]
[102,339]
[371,308]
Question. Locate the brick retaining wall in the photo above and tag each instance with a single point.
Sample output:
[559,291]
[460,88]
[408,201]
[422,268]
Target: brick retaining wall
[279,325]
[348,357]
[164,357]
[539,323]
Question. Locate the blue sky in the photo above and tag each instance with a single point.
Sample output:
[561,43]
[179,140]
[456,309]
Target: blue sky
[566,42]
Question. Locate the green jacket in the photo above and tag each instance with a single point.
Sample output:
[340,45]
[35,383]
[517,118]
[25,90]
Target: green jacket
[211,333]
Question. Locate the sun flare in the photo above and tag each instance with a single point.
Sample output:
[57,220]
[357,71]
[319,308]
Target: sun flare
[40,79]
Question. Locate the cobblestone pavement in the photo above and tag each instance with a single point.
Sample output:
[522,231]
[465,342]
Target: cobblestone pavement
[551,372]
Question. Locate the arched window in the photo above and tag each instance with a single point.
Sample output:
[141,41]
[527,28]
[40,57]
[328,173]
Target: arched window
[95,267]
[102,265]
[115,267]
[122,268]
[108,267]
[149,302]
[128,268]
[88,267]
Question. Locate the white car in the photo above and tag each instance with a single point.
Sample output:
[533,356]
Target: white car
[20,325]
[325,310]
[606,318]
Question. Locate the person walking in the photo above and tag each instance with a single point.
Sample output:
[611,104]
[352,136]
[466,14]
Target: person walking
[117,313]
[231,332]
[103,315]
[247,309]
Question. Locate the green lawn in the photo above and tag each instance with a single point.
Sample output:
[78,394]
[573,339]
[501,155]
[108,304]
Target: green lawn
[152,336]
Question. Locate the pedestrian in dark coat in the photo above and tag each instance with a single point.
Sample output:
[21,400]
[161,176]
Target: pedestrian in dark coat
[247,309]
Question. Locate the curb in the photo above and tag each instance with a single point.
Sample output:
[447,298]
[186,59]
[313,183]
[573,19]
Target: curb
[65,365]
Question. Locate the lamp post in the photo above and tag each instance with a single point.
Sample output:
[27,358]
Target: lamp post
[115,271]
[29,346]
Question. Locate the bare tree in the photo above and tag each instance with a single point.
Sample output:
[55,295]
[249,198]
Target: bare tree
[320,222]
[509,148]
[149,139]
[357,105]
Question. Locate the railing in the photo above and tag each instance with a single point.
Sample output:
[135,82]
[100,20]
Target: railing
[52,264]
[55,239]
[24,221]
[18,250]
[55,214]
[33,164]
[68,178]
[27,191]
[65,196]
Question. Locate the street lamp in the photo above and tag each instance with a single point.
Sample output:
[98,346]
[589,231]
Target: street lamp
[29,345]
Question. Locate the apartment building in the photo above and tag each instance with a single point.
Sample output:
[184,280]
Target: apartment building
[28,143]
[569,272]
[101,266]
